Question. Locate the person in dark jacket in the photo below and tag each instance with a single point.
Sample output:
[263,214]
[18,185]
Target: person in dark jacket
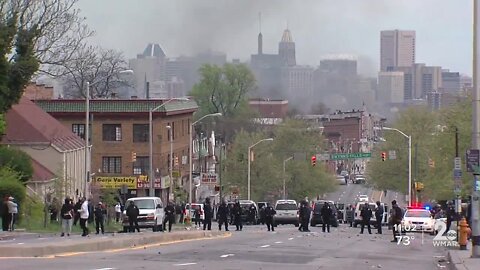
[350,215]
[300,216]
[366,215]
[91,209]
[100,213]
[208,210]
[326,213]
[169,216]
[67,214]
[237,213]
[305,216]
[252,214]
[269,213]
[222,216]
[395,220]
[450,215]
[76,216]
[132,214]
[379,216]
[4,214]
[232,216]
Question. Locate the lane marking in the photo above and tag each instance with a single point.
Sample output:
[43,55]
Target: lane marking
[291,238]
[107,268]
[279,242]
[184,264]
[20,243]
[227,255]
[264,246]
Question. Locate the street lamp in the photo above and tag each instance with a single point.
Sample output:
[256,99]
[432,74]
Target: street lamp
[409,160]
[190,156]
[284,176]
[87,129]
[249,149]
[171,157]
[150,135]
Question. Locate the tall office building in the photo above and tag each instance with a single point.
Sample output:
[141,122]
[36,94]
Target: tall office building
[397,49]
[390,87]
[286,49]
[148,67]
[451,82]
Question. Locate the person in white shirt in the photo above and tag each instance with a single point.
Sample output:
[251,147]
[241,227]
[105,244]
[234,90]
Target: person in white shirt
[118,212]
[84,216]
[12,211]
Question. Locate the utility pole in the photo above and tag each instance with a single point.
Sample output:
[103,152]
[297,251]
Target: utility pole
[476,130]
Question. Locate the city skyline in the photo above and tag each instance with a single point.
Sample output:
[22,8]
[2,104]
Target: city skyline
[188,27]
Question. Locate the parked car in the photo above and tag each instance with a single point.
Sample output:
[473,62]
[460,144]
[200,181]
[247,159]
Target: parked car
[359,179]
[316,213]
[287,212]
[362,198]
[357,219]
[151,213]
[195,206]
[341,180]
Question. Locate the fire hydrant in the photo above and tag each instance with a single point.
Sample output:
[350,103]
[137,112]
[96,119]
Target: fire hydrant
[464,233]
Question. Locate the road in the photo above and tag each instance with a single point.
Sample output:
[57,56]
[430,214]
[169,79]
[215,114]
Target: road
[348,194]
[256,248]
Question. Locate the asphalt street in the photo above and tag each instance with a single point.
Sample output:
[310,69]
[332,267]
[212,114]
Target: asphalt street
[348,194]
[256,248]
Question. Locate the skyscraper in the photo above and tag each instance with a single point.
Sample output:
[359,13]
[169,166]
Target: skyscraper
[397,49]
[148,67]
[286,49]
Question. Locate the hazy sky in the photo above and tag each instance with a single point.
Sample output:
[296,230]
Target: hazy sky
[319,27]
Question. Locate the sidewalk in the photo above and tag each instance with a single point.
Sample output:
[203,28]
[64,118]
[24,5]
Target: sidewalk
[461,260]
[75,244]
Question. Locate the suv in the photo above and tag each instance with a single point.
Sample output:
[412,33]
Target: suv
[287,212]
[316,213]
[359,179]
[373,221]
[151,213]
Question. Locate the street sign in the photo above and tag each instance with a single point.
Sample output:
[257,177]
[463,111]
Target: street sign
[323,157]
[457,174]
[457,163]
[350,156]
[473,158]
[392,154]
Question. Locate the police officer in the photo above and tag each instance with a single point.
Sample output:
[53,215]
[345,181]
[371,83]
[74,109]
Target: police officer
[326,213]
[269,214]
[132,214]
[301,211]
[350,212]
[396,219]
[379,217]
[450,215]
[252,214]
[169,216]
[208,210]
[99,213]
[237,214]
[222,216]
[366,214]
[305,216]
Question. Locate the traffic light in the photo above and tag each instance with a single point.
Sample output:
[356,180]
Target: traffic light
[134,156]
[384,156]
[314,161]
[176,161]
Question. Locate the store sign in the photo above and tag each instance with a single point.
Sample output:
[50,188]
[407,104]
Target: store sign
[209,178]
[116,181]
[143,183]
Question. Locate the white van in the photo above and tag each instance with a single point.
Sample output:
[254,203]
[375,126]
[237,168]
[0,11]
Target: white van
[357,219]
[151,213]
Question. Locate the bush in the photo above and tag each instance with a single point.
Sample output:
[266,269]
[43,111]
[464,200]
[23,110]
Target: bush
[17,160]
[11,185]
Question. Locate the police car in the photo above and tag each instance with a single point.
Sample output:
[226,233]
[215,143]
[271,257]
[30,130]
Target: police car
[418,220]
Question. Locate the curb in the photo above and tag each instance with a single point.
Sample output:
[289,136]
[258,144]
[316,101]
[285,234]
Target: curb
[92,244]
[456,263]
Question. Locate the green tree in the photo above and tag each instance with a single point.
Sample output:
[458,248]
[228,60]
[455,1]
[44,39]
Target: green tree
[417,122]
[267,165]
[18,161]
[11,185]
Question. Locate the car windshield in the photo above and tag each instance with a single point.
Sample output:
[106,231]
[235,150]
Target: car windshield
[286,206]
[423,214]
[144,204]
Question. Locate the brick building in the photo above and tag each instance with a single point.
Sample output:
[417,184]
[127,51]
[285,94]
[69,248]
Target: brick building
[35,91]
[120,131]
[270,112]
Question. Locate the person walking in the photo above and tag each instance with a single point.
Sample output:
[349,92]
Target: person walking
[222,216]
[269,213]
[12,212]
[300,216]
[396,220]
[350,214]
[208,211]
[76,211]
[327,214]
[100,213]
[169,216]
[379,217]
[366,215]
[84,215]
[118,212]
[132,214]
[237,213]
[67,214]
